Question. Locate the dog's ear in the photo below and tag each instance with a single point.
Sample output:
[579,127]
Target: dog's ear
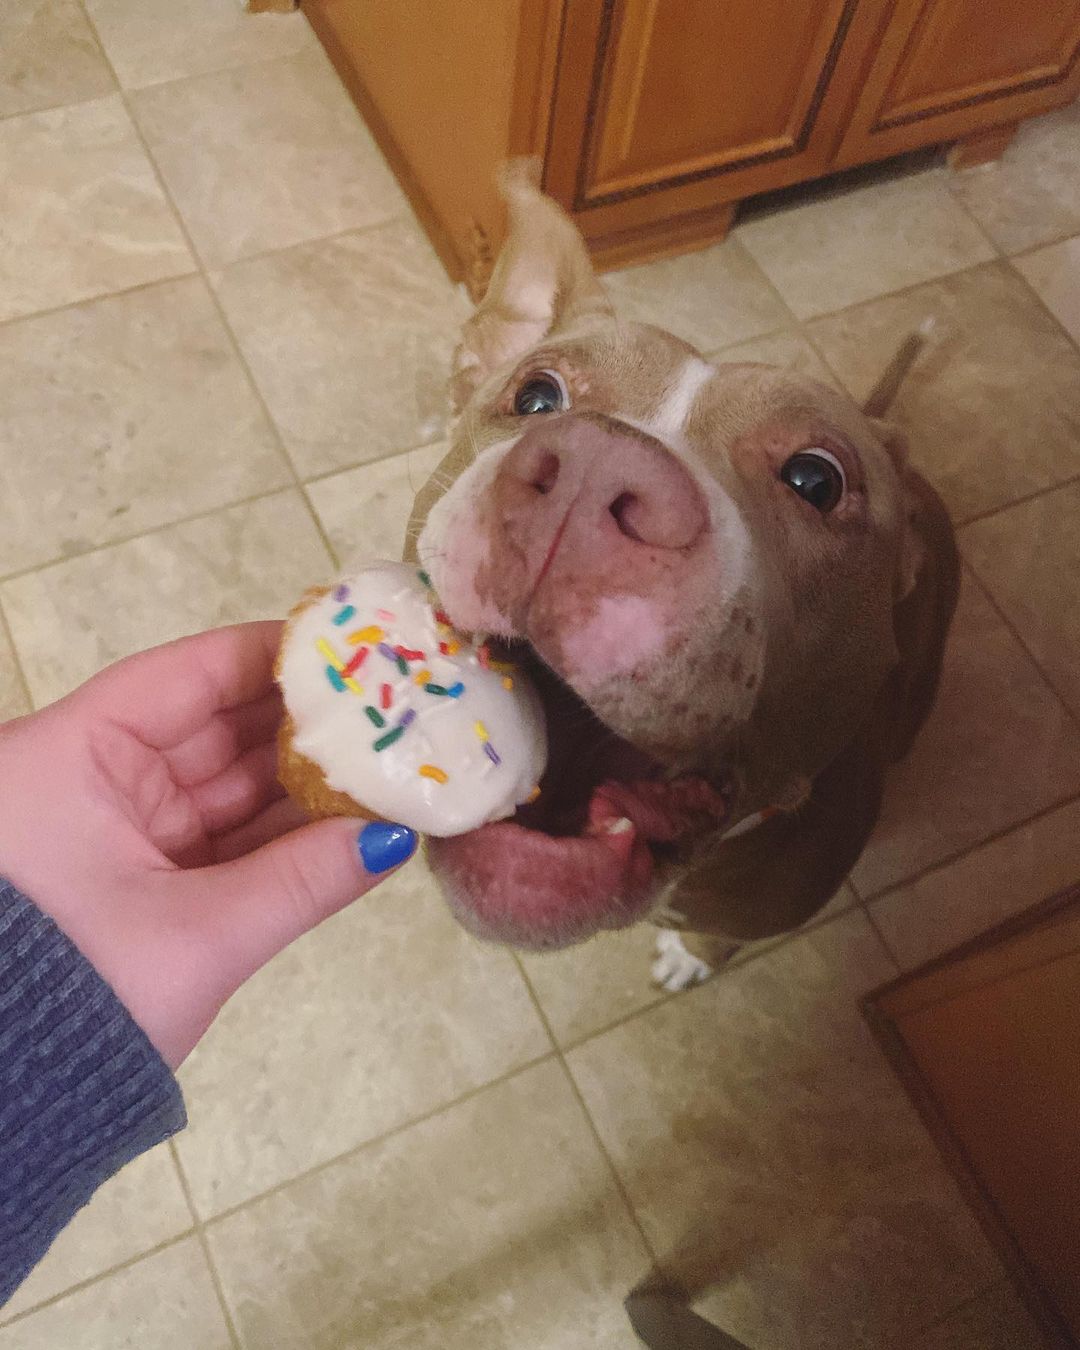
[912,546]
[543,283]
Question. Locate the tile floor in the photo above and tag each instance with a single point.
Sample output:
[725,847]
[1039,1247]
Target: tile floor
[222,343]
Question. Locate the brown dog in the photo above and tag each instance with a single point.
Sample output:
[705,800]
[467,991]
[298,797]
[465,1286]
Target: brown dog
[731,589]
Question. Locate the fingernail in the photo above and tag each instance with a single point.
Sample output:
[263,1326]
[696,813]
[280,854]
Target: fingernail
[383,845]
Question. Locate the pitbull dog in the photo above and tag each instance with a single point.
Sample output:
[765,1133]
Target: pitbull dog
[731,591]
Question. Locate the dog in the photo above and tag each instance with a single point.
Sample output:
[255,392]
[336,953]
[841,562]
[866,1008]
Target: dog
[730,588]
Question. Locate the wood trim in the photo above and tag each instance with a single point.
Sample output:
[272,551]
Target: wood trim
[600,23]
[665,239]
[983,147]
[441,239]
[882,1010]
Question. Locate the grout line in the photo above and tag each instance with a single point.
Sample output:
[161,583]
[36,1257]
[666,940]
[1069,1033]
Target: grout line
[78,1287]
[770,285]
[992,511]
[238,504]
[901,291]
[356,1149]
[398,219]
[1025,282]
[882,940]
[923,1327]
[255,63]
[100,296]
[941,864]
[58,107]
[200,1234]
[20,672]
[613,1171]
[1073,717]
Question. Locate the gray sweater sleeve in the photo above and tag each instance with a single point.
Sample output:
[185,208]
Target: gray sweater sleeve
[82,1090]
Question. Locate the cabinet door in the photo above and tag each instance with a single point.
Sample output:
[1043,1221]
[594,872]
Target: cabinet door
[947,68]
[668,106]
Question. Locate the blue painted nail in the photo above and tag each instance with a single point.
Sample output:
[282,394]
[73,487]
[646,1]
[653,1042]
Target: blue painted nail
[383,846]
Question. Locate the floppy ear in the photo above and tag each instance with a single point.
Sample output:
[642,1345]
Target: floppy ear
[543,283]
[912,545]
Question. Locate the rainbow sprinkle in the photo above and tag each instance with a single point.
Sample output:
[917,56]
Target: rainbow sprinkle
[341,593]
[439,689]
[508,683]
[372,633]
[351,685]
[386,696]
[375,716]
[492,753]
[481,731]
[355,661]
[425,579]
[533,794]
[433,771]
[456,690]
[389,739]
[422,678]
[409,653]
[328,652]
[343,615]
[385,615]
[408,717]
[335,679]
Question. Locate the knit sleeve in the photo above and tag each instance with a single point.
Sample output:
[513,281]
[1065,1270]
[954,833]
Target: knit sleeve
[82,1090]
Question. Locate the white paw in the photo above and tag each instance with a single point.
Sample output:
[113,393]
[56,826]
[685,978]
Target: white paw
[675,968]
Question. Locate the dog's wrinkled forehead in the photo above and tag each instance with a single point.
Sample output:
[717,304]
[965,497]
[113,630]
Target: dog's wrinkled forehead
[702,409]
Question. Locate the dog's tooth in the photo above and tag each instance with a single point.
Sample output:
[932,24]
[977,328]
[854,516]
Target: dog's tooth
[620,826]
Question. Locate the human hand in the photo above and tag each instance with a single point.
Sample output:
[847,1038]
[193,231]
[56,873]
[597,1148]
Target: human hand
[143,814]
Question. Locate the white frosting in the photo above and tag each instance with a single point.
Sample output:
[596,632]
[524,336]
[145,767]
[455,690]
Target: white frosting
[333,728]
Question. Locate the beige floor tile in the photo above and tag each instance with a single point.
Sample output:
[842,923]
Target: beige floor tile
[120,415]
[997,748]
[384,1013]
[788,349]
[710,298]
[993,409]
[839,250]
[957,902]
[585,987]
[994,1320]
[492,1226]
[156,40]
[1054,271]
[82,210]
[266,156]
[350,340]
[166,1302]
[245,562]
[1029,559]
[13,700]
[770,1152]
[364,510]
[137,1209]
[48,56]
[1032,194]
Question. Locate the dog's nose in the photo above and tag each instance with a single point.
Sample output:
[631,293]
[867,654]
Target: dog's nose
[612,473]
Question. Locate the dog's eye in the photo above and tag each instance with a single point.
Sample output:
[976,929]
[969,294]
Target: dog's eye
[817,477]
[541,393]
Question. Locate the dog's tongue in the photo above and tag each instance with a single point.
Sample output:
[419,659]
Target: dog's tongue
[538,890]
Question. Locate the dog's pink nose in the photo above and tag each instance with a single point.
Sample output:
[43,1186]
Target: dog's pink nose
[619,479]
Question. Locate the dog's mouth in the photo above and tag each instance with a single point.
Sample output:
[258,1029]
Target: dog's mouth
[590,851]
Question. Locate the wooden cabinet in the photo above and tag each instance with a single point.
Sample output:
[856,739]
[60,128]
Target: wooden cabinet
[653,118]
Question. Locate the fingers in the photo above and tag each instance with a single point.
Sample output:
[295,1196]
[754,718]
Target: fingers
[271,822]
[165,694]
[222,740]
[239,792]
[258,904]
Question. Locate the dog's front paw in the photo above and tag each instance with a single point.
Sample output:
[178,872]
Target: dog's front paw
[674,967]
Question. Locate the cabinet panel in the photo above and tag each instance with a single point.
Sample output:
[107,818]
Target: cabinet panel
[656,94]
[946,68]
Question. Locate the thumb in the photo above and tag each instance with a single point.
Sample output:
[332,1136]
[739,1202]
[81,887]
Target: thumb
[272,896]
